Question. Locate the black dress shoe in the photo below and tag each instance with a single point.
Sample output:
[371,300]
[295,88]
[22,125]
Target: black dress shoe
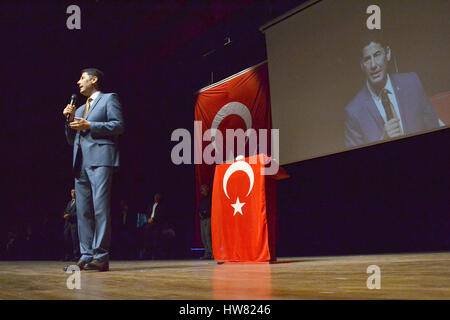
[97,265]
[80,264]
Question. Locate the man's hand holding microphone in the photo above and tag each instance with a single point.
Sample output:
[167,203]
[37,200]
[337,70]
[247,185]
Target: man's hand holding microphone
[69,114]
[392,129]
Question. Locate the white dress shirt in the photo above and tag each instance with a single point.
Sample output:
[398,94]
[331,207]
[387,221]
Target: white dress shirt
[153,211]
[94,95]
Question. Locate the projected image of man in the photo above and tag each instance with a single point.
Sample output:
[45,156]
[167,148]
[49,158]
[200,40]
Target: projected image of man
[388,105]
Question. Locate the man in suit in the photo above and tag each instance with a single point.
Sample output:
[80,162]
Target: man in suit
[93,135]
[388,106]
[153,228]
[204,211]
[71,242]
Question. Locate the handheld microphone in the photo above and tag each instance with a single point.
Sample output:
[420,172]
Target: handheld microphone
[73,100]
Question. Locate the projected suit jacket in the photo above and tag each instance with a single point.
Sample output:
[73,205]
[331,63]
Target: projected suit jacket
[98,144]
[364,124]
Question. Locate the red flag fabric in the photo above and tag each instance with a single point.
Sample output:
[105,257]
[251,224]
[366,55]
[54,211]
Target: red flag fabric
[242,102]
[243,220]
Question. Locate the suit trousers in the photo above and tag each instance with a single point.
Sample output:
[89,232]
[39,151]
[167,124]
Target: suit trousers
[205,228]
[93,190]
[152,237]
[71,242]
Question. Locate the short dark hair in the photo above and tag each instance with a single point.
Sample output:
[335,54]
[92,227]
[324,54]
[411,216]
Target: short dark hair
[368,36]
[94,72]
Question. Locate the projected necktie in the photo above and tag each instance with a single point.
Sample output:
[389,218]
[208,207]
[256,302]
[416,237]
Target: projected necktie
[88,105]
[387,105]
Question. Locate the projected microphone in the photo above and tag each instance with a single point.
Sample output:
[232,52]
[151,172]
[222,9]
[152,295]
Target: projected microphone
[73,100]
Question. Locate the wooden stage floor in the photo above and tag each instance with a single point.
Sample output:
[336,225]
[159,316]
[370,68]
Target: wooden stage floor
[403,276]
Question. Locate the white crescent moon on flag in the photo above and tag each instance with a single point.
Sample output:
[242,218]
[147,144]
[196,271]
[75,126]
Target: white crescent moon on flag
[238,166]
[230,108]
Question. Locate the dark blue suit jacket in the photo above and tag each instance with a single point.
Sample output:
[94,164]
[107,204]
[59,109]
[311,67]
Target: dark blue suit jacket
[99,143]
[364,123]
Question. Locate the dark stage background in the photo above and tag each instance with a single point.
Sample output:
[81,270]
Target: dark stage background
[155,55]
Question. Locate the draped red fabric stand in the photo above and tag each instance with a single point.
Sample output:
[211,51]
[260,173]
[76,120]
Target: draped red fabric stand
[241,101]
[243,220]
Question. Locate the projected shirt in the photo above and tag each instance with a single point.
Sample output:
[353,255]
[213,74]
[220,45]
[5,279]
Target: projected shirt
[377,99]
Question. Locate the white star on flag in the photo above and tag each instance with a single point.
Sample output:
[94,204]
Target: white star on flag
[238,206]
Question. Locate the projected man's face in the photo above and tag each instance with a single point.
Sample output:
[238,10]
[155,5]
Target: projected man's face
[374,63]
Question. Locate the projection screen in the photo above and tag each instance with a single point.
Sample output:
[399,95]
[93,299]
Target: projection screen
[347,74]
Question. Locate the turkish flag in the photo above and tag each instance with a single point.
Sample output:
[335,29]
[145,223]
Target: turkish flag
[243,219]
[241,101]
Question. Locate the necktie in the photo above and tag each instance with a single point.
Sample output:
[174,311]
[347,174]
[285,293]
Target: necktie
[387,105]
[88,105]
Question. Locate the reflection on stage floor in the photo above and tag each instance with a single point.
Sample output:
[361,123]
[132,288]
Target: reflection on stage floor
[402,276]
